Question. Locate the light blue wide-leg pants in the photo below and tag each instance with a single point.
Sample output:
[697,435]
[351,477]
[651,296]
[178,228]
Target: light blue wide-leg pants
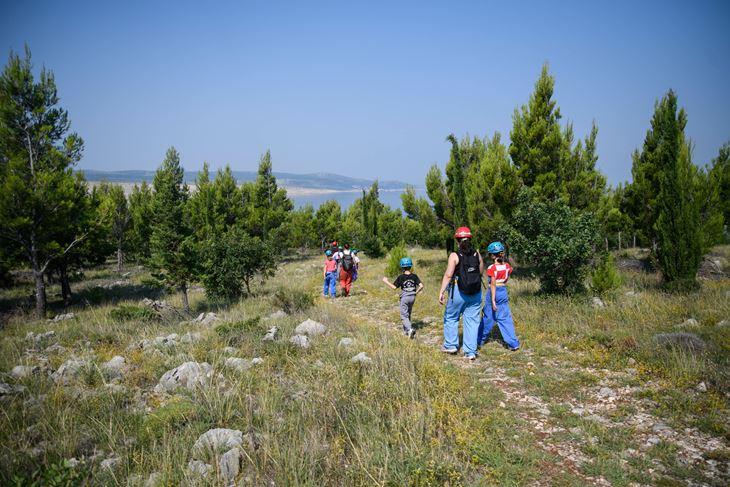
[503,318]
[468,305]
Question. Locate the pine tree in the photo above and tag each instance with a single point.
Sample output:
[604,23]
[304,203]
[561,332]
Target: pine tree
[537,144]
[327,221]
[140,232]
[201,207]
[37,187]
[455,170]
[229,206]
[172,242]
[271,204]
[492,191]
[115,205]
[677,227]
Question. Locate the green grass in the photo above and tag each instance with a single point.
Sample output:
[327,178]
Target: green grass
[411,417]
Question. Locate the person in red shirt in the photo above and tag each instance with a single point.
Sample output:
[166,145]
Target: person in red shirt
[496,305]
[329,272]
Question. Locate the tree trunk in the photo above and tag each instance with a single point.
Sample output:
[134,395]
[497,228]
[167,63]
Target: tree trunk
[184,291]
[40,294]
[40,284]
[65,285]
[120,258]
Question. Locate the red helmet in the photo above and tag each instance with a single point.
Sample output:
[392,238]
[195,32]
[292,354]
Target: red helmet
[462,232]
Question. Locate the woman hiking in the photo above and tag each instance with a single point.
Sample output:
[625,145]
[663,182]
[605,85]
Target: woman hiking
[461,291]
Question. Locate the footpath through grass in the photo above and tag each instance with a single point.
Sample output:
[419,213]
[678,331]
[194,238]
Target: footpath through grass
[591,399]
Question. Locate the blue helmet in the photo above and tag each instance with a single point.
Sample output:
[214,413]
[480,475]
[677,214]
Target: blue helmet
[406,262]
[328,253]
[495,248]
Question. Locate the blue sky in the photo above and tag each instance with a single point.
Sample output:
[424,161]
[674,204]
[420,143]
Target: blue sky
[370,89]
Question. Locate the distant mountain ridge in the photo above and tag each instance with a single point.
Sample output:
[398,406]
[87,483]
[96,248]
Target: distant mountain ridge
[314,180]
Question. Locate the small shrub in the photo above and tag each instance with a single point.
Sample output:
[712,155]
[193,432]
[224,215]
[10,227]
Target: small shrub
[61,474]
[128,312]
[605,277]
[293,300]
[392,269]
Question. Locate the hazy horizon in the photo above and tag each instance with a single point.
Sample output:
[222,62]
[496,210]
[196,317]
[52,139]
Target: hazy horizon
[370,90]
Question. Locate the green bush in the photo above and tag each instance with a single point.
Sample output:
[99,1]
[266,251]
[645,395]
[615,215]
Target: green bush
[605,277]
[232,261]
[61,474]
[292,300]
[392,269]
[129,312]
[558,240]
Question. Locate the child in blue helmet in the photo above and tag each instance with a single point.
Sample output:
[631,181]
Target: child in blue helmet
[330,274]
[410,285]
[496,306]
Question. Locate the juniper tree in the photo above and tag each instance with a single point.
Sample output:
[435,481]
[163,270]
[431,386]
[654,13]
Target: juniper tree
[37,186]
[172,243]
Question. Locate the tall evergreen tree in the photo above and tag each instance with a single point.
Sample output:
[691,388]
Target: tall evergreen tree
[271,204]
[141,211]
[720,172]
[492,191]
[230,209]
[172,243]
[455,170]
[537,144]
[37,186]
[677,227]
[115,206]
[327,221]
[201,207]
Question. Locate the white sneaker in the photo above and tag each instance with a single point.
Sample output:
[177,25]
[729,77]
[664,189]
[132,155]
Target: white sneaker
[411,333]
[451,350]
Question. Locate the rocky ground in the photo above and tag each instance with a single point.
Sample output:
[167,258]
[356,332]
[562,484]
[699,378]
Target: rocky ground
[134,392]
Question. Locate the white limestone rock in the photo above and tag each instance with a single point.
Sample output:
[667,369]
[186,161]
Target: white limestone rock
[271,334]
[25,371]
[238,364]
[69,370]
[300,341]
[190,375]
[217,440]
[310,328]
[116,367]
[361,358]
[346,342]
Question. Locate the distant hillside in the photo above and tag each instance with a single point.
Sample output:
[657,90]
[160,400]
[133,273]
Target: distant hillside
[314,181]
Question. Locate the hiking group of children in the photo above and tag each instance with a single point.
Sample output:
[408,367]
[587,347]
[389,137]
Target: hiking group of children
[341,265]
[461,293]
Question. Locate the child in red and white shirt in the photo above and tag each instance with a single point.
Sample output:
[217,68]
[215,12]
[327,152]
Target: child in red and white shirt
[496,305]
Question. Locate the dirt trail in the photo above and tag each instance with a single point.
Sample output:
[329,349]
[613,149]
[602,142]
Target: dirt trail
[601,402]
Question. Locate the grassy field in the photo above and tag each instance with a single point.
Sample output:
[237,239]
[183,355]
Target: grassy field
[592,398]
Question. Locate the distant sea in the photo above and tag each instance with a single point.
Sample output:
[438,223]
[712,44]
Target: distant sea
[347,198]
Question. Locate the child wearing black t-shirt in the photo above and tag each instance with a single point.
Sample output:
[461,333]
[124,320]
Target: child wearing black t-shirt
[410,285]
